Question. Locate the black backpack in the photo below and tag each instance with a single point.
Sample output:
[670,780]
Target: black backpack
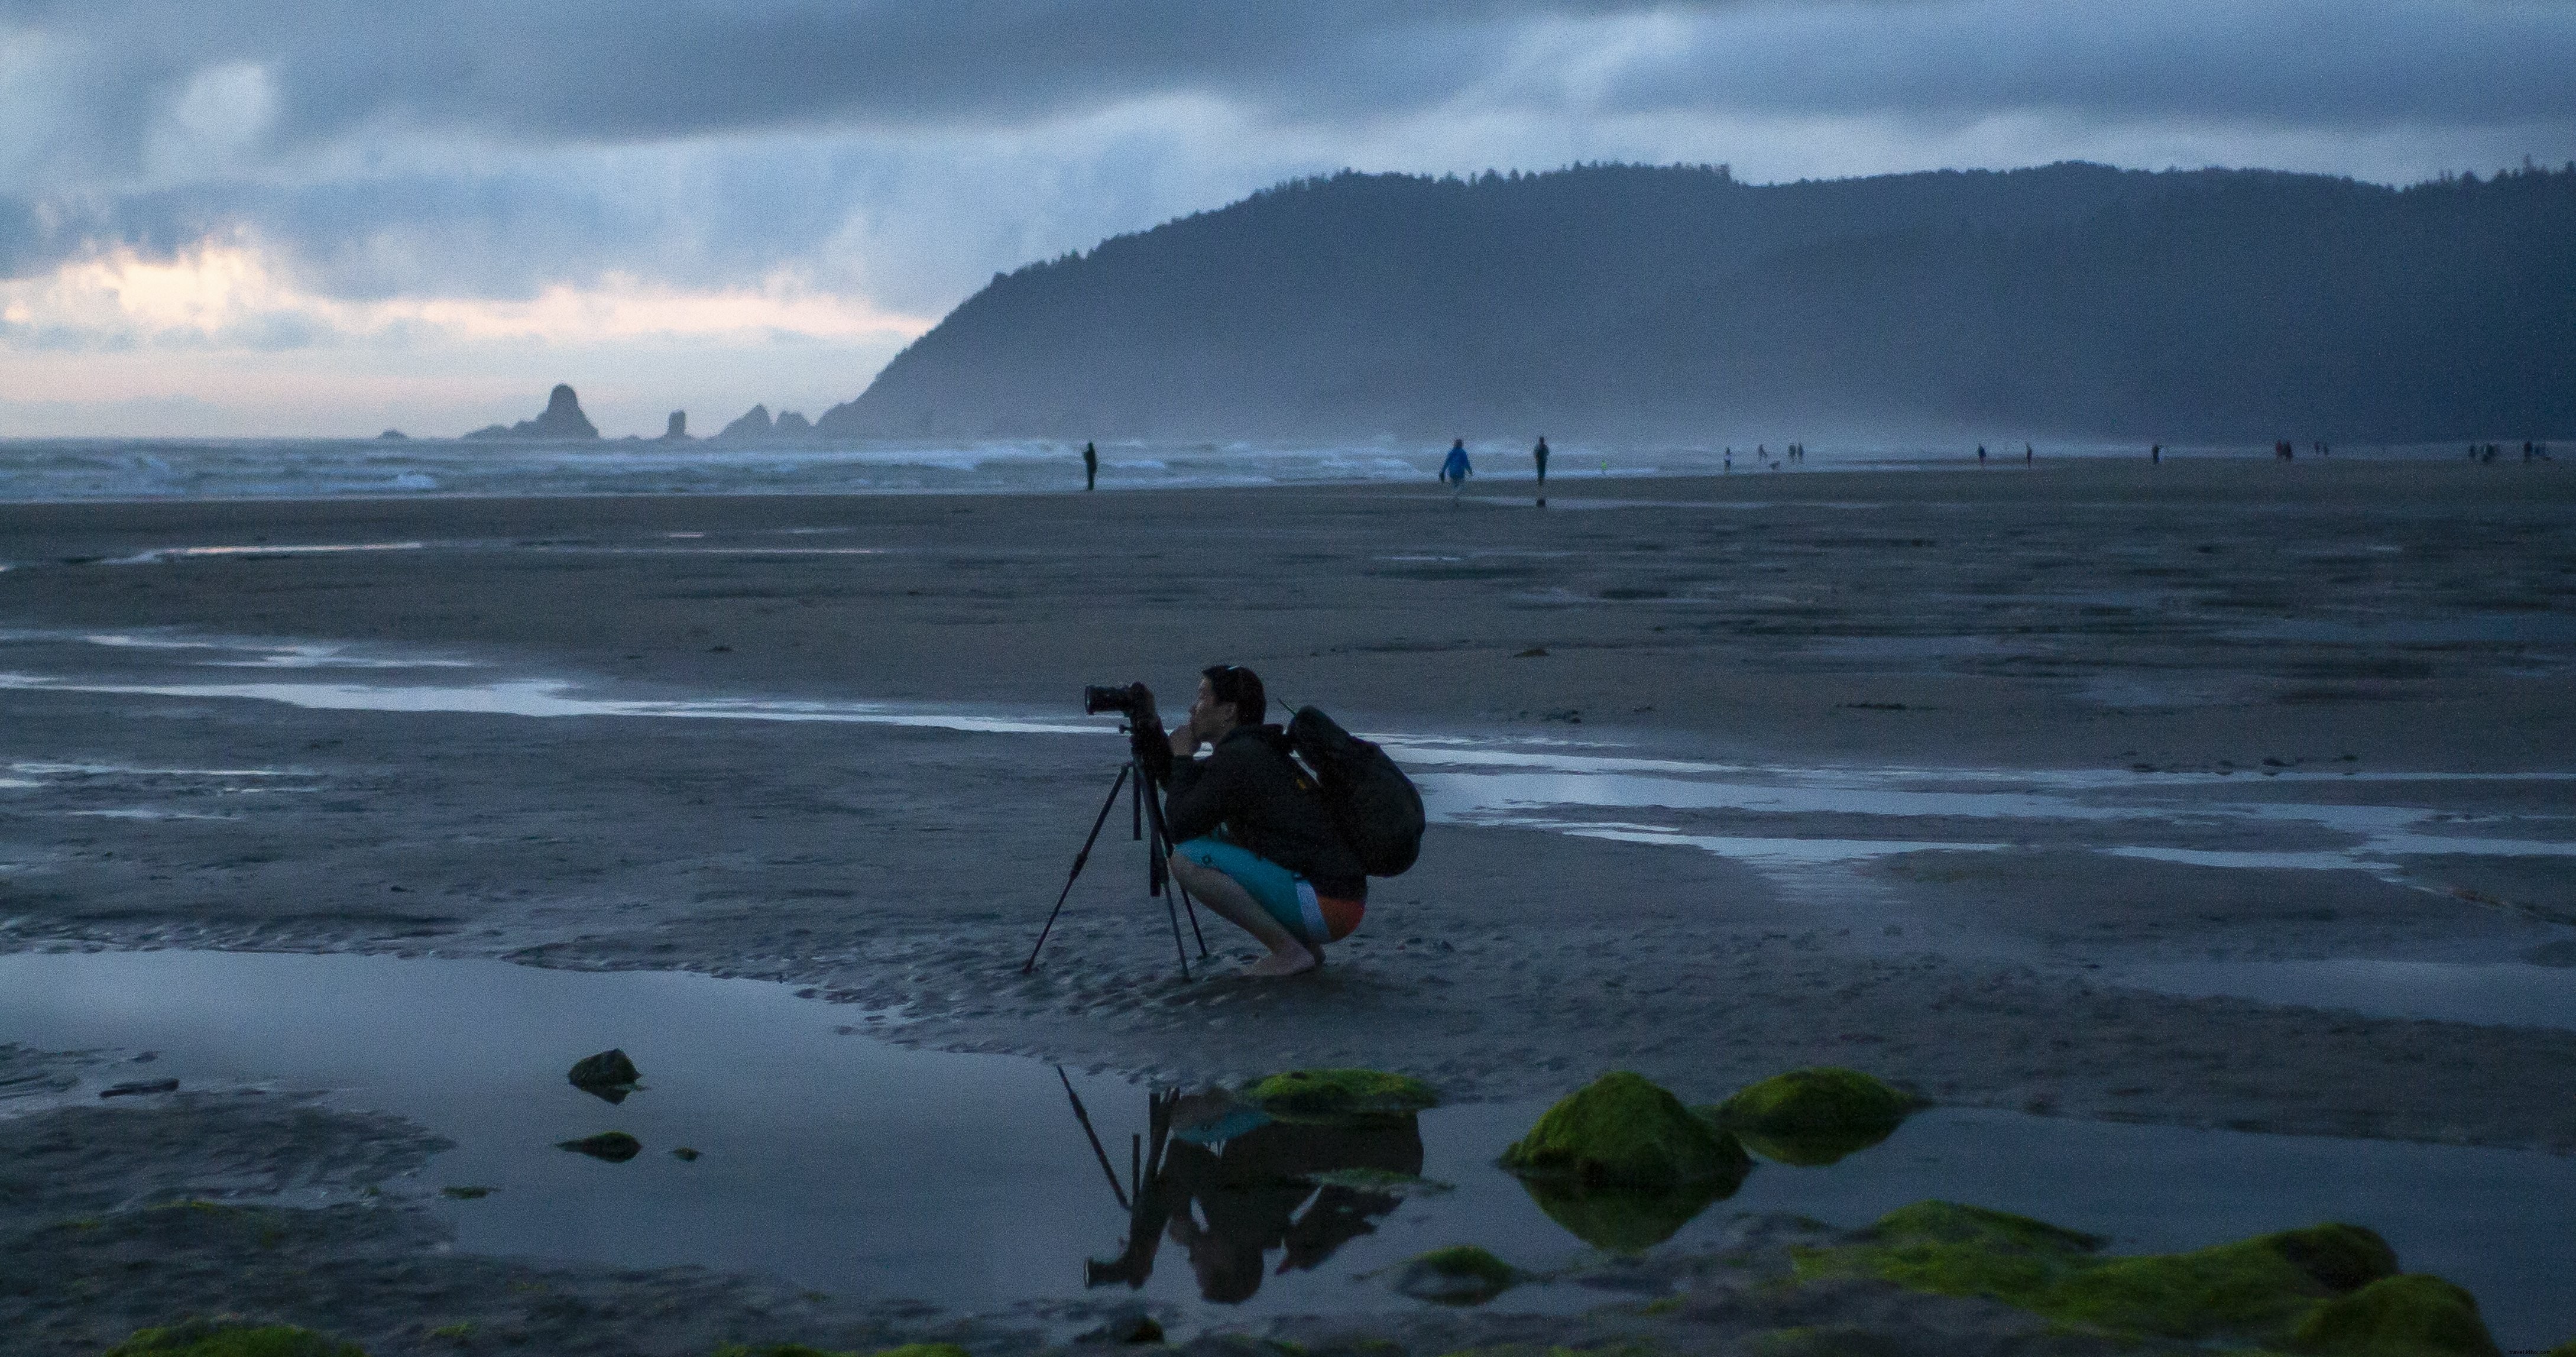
[1372,802]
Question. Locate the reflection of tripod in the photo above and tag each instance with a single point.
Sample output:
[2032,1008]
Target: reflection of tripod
[1146,806]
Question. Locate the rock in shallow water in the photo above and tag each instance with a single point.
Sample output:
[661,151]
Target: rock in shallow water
[2328,1289]
[1461,1274]
[614,1146]
[222,1338]
[608,1075]
[1329,1094]
[1623,1131]
[1814,1117]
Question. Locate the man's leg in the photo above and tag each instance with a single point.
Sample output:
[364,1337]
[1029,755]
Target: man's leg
[1232,902]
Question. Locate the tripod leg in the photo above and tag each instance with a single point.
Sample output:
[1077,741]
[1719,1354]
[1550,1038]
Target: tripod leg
[1179,950]
[1078,860]
[1162,847]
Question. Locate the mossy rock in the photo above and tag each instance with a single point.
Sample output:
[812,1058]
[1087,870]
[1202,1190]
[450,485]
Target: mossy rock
[614,1146]
[1327,1095]
[800,1350]
[231,1338]
[2252,1286]
[1628,1220]
[1622,1131]
[1814,1116]
[1838,1340]
[2412,1315]
[2263,1289]
[1381,1182]
[1460,1274]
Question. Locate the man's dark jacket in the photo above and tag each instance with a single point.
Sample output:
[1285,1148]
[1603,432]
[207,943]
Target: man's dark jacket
[1266,804]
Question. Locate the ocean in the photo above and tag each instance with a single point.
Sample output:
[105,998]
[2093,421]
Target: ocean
[74,469]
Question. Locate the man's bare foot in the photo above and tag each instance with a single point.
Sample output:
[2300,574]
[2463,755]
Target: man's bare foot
[1295,961]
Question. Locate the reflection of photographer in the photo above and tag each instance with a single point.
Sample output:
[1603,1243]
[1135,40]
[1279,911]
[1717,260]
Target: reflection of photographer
[1253,839]
[1229,1193]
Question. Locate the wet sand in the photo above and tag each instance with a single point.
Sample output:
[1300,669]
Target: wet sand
[2244,619]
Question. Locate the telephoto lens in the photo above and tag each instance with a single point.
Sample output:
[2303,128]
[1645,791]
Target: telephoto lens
[1120,698]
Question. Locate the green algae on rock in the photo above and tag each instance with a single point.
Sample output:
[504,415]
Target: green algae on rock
[1308,1094]
[1626,1132]
[2411,1315]
[1813,1117]
[227,1337]
[1381,1182]
[800,1350]
[1460,1274]
[614,1146]
[2272,1289]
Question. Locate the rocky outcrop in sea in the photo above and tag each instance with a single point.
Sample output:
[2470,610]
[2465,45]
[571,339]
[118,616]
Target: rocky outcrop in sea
[756,426]
[562,419]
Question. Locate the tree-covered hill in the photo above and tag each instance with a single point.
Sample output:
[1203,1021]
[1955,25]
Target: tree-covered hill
[1626,300]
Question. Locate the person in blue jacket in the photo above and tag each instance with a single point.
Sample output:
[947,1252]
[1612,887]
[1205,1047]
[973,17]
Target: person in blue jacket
[1455,470]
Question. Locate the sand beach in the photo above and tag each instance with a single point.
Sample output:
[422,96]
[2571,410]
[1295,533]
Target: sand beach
[2221,795]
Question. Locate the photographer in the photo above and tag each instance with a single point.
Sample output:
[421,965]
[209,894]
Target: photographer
[1252,839]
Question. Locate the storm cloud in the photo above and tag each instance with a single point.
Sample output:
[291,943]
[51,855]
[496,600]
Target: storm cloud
[899,154]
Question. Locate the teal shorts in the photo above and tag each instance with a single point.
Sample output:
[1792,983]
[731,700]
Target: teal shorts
[1282,894]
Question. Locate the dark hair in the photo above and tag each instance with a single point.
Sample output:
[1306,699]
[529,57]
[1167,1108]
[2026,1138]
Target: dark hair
[1234,684]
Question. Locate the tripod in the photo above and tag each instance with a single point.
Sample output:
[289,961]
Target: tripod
[1146,806]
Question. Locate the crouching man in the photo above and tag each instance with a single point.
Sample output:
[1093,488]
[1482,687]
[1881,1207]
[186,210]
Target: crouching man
[1252,839]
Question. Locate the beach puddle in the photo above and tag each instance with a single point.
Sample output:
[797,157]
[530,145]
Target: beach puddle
[1814,814]
[2501,994]
[2393,825]
[844,1163]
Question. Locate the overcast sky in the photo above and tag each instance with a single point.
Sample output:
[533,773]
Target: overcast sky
[332,216]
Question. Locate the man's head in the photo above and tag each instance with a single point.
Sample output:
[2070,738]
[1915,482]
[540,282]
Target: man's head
[1229,696]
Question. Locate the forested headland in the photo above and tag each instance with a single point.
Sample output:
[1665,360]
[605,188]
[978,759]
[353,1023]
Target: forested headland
[1618,300]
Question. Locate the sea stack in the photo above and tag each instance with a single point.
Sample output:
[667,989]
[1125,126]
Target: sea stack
[753,424]
[562,419]
[677,431]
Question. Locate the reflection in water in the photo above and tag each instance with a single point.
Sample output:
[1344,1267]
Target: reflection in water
[1814,1149]
[1621,1219]
[1229,1184]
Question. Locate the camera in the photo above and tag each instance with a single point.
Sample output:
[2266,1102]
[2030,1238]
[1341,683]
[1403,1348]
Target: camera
[1122,698]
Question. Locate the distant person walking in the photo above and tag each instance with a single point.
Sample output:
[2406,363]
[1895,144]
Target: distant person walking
[1090,467]
[2028,456]
[1455,470]
[2156,455]
[1539,455]
[1981,454]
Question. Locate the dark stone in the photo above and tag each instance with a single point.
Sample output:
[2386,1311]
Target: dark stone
[677,431]
[607,1067]
[393,436]
[610,1069]
[614,1146]
[140,1086]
